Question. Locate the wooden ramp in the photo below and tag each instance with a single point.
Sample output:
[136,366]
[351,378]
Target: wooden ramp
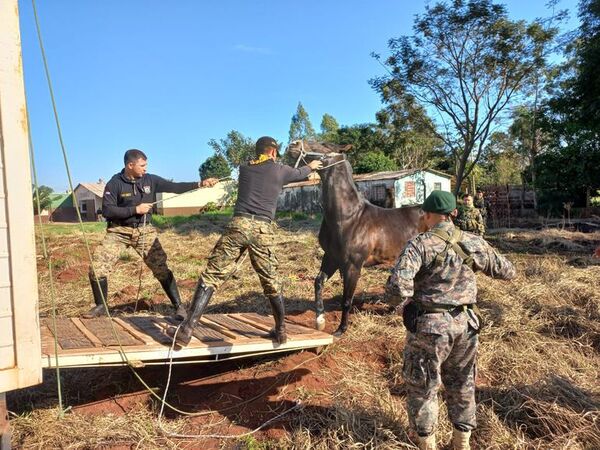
[92,342]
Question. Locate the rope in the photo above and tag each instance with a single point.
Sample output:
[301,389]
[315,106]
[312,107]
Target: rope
[49,261]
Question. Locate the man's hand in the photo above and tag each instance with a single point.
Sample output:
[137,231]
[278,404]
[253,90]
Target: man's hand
[315,165]
[143,208]
[209,182]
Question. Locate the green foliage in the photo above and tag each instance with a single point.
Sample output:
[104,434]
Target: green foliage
[329,128]
[45,198]
[236,148]
[374,161]
[210,207]
[466,60]
[301,128]
[215,166]
[595,201]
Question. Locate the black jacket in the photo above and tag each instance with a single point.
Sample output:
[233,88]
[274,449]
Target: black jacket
[260,184]
[121,196]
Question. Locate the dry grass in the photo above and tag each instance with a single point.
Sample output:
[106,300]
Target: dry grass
[538,361]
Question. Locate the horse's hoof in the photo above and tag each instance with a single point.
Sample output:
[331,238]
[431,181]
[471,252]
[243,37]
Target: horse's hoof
[320,322]
[338,333]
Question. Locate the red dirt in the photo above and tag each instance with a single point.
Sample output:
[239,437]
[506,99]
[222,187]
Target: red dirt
[72,274]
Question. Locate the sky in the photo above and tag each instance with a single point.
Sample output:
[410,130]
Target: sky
[168,76]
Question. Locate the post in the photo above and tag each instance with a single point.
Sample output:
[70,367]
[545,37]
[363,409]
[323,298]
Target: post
[4,424]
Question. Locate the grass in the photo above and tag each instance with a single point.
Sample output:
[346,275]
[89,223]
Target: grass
[538,364]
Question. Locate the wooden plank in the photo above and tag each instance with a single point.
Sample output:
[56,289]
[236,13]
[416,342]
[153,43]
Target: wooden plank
[202,333]
[144,337]
[292,328]
[101,327]
[254,323]
[68,334]
[215,326]
[238,327]
[91,336]
[47,340]
[151,327]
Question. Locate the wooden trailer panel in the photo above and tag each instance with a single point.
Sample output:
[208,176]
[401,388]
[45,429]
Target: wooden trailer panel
[92,342]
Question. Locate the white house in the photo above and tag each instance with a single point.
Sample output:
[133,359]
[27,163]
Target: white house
[89,198]
[192,202]
[391,189]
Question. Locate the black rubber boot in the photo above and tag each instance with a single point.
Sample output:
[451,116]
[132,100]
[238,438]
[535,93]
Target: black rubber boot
[170,287]
[278,333]
[98,292]
[202,296]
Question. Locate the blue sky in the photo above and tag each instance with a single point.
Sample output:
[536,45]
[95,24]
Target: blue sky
[166,77]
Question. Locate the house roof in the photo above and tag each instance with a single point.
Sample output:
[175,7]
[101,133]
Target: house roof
[374,176]
[96,188]
[61,200]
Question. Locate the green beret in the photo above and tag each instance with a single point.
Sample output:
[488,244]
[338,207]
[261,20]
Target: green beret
[440,202]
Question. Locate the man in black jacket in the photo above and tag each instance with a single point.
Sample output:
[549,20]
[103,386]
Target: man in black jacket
[252,229]
[126,206]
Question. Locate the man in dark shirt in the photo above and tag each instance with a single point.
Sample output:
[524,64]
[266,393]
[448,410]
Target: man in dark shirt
[126,206]
[252,228]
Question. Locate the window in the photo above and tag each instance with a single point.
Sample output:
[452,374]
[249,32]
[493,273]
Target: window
[378,192]
[437,186]
[83,207]
[409,189]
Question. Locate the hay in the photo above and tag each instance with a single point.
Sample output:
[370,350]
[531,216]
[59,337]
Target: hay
[538,362]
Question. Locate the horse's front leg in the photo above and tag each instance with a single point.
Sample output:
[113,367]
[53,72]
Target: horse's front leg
[328,268]
[350,274]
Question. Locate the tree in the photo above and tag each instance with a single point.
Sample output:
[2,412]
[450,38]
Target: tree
[374,161]
[466,61]
[329,128]
[215,166]
[301,128]
[45,198]
[408,134]
[235,148]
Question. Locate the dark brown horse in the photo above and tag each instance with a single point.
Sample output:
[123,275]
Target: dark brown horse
[354,233]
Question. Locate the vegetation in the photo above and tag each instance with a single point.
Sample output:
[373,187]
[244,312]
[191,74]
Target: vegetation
[45,198]
[215,166]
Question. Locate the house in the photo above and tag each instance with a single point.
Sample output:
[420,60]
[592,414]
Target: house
[61,208]
[193,202]
[391,189]
[89,199]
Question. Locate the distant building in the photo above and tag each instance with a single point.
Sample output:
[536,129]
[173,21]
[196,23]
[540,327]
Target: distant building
[89,199]
[193,202]
[60,209]
[391,189]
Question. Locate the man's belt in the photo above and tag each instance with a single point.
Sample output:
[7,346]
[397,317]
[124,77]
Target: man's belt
[252,217]
[441,308]
[128,225]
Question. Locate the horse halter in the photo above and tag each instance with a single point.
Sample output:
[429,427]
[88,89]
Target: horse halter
[321,157]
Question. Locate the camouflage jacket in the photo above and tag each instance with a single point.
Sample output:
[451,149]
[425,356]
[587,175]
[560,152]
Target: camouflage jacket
[417,275]
[469,219]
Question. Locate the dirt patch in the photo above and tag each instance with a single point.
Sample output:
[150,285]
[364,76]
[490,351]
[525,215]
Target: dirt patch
[72,274]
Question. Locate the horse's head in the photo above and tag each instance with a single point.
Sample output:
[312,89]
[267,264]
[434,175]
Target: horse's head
[306,151]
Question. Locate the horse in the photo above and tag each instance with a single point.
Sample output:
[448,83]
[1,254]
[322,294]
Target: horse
[354,233]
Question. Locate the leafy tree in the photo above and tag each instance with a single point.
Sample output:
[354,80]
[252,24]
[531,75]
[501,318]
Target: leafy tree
[467,61]
[329,128]
[301,128]
[408,134]
[374,161]
[235,148]
[215,166]
[45,198]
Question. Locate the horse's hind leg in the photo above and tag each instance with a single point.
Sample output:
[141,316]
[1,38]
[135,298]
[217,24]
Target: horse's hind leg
[328,268]
[351,275]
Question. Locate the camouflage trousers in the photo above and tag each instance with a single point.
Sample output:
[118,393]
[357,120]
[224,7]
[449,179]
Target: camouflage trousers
[443,350]
[144,240]
[241,235]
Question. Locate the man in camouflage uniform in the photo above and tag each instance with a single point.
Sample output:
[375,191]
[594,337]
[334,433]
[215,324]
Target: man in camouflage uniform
[469,218]
[481,204]
[434,279]
[252,229]
[126,205]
